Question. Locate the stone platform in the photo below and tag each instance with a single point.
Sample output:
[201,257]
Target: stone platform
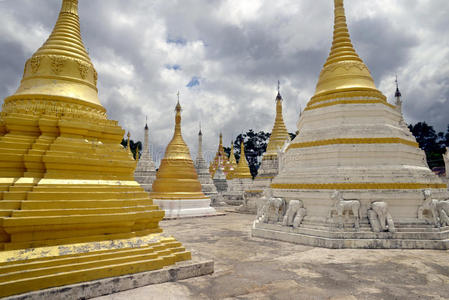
[198,266]
[186,208]
[410,235]
[252,268]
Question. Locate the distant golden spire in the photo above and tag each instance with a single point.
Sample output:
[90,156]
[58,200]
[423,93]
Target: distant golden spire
[343,70]
[177,177]
[279,133]
[224,162]
[128,143]
[232,162]
[242,169]
[62,67]
[232,159]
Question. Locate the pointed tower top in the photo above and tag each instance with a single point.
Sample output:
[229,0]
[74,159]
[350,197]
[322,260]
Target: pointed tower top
[343,60]
[146,122]
[61,68]
[242,169]
[178,105]
[279,97]
[177,148]
[279,132]
[232,159]
[397,94]
[128,146]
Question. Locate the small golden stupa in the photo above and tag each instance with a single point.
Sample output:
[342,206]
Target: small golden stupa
[177,189]
[223,162]
[232,163]
[279,133]
[70,208]
[242,169]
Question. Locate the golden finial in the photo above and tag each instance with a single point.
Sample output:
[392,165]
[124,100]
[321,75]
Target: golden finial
[279,132]
[128,143]
[343,59]
[61,67]
[242,169]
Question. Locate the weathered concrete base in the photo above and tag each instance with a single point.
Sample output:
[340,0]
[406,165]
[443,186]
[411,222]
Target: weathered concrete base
[196,267]
[408,238]
[184,208]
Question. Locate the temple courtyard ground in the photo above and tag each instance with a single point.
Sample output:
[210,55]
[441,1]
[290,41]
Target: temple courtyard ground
[253,268]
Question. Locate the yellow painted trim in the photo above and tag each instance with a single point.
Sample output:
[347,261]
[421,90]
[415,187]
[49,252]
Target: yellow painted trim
[349,102]
[354,141]
[358,186]
[347,93]
[265,177]
[253,191]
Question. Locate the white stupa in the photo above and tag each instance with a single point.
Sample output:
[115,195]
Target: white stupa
[355,176]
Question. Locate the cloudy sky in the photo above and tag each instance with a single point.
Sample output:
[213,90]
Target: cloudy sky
[225,57]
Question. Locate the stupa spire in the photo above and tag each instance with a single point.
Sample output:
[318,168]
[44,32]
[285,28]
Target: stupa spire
[279,132]
[62,67]
[200,145]
[343,60]
[232,162]
[128,146]
[242,169]
[397,96]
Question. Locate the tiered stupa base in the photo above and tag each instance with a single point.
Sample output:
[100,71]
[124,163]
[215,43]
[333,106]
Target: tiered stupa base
[410,232]
[186,208]
[415,234]
[39,268]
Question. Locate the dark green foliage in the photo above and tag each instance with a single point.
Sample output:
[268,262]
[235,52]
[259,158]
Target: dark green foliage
[431,142]
[133,145]
[255,146]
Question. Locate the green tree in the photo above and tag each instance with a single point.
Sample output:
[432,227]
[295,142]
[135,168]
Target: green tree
[431,142]
[135,146]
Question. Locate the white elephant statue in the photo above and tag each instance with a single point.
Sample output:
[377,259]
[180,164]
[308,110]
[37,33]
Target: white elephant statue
[429,205]
[295,214]
[443,212]
[343,207]
[380,218]
[261,202]
[274,210]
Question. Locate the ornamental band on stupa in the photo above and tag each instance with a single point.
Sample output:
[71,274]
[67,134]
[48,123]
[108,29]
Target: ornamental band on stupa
[269,167]
[176,188]
[354,177]
[145,172]
[207,183]
[70,208]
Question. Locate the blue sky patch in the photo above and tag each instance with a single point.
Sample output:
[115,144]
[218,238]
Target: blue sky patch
[173,67]
[193,82]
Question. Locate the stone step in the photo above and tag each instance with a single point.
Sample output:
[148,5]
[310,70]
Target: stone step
[351,233]
[16,277]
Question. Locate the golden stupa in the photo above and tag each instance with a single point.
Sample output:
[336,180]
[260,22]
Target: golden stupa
[177,189]
[354,145]
[177,177]
[70,210]
[279,134]
[220,159]
[242,169]
[232,162]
